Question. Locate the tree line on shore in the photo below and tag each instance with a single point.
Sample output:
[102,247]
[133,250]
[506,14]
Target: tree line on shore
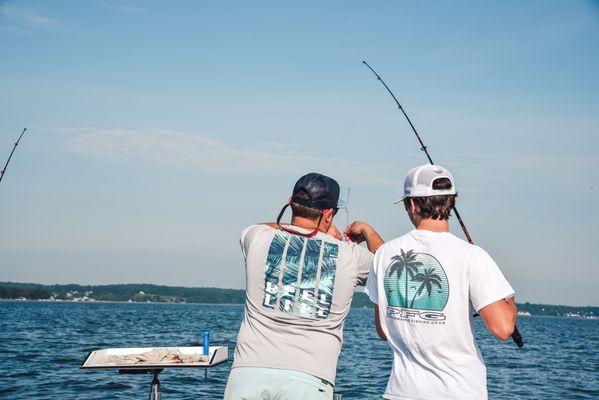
[181,294]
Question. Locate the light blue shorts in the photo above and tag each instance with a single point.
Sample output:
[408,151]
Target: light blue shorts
[254,383]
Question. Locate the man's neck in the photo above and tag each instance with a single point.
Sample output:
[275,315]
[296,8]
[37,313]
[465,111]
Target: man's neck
[304,223]
[433,225]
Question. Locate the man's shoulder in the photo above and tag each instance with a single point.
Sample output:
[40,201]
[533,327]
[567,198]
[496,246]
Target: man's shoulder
[256,228]
[393,244]
[477,251]
[252,232]
[460,243]
[410,239]
[388,250]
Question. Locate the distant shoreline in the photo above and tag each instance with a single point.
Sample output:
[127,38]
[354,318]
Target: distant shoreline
[2,300]
[521,314]
[149,293]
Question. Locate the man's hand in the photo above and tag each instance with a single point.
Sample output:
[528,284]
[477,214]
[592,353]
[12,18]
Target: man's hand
[355,232]
[334,232]
[359,232]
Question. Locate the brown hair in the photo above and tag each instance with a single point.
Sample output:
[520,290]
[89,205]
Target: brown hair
[435,207]
[302,211]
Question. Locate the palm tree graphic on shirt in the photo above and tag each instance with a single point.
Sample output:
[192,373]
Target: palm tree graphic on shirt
[405,262]
[416,276]
[428,279]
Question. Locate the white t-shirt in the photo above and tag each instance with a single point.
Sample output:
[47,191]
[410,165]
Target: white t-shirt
[426,285]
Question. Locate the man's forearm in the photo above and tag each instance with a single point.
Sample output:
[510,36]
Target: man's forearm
[500,317]
[512,302]
[373,240]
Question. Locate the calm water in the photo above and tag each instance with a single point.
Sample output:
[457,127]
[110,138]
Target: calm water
[42,345]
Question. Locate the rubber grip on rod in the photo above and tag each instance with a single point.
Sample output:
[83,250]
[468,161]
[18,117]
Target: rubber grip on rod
[517,338]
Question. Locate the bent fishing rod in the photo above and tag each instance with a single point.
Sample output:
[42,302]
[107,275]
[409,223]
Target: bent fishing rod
[516,335]
[11,153]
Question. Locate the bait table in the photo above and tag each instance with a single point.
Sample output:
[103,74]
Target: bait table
[104,359]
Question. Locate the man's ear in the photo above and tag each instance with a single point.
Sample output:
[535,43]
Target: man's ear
[412,206]
[289,201]
[327,215]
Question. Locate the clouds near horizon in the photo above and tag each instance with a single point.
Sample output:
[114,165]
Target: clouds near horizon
[207,154]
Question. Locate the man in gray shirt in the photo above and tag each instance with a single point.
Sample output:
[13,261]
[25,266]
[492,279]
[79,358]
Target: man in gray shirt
[300,280]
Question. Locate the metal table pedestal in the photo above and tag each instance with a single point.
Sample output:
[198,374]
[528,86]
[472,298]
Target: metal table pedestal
[155,388]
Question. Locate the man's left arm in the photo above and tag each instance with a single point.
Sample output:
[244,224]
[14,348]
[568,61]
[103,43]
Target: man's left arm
[371,290]
[359,232]
[377,324]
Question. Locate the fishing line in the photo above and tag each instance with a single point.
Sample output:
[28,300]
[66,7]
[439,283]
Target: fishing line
[347,207]
[516,335]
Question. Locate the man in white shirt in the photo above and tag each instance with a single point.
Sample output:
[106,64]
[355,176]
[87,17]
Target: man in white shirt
[425,285]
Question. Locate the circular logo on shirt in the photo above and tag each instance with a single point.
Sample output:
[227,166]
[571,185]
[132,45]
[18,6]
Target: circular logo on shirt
[416,281]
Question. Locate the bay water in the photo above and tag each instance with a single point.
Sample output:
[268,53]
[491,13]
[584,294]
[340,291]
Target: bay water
[42,345]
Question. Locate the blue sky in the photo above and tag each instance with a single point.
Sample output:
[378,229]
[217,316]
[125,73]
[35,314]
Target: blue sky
[158,131]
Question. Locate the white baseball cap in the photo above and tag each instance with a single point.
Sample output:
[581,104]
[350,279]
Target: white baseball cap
[419,182]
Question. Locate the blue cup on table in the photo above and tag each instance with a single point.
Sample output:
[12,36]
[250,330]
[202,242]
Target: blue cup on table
[206,343]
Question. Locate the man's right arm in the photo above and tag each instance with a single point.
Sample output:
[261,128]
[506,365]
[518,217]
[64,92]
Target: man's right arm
[500,317]
[491,295]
